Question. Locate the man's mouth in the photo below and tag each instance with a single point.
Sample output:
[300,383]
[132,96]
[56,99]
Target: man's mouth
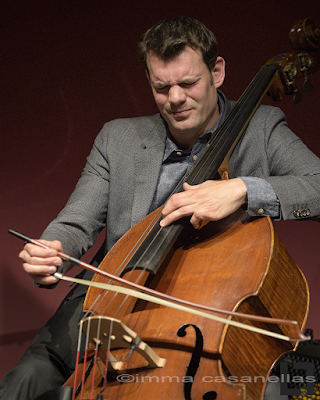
[181,113]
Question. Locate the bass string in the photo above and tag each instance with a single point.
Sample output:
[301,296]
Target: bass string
[120,268]
[197,176]
[197,173]
[135,248]
[243,108]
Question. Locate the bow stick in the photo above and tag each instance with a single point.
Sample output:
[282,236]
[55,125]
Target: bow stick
[154,296]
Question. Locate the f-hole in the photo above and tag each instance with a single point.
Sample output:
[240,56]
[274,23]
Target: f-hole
[194,363]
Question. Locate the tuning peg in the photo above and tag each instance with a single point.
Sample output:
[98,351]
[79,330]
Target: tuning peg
[307,85]
[304,64]
[290,72]
[297,96]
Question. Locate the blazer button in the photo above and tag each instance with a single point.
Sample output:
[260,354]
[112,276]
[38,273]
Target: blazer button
[260,211]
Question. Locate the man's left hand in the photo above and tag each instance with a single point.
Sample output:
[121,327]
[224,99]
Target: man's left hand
[208,201]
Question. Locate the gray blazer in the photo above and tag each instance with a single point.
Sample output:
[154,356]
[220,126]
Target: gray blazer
[118,183]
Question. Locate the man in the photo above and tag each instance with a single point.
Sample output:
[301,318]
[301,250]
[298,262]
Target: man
[133,167]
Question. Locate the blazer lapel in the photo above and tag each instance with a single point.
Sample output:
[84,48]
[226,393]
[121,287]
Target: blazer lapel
[147,164]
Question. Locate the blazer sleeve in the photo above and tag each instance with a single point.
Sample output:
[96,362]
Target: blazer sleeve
[270,150]
[84,216]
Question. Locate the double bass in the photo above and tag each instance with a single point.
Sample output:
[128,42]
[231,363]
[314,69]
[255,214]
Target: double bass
[138,347]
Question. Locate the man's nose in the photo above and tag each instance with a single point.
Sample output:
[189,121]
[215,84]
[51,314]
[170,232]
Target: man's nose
[176,95]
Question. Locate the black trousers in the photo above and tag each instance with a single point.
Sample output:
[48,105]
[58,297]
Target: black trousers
[50,359]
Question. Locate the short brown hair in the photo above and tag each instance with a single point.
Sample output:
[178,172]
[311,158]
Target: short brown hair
[170,36]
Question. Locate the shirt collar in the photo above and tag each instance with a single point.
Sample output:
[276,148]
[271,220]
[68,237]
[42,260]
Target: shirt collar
[172,152]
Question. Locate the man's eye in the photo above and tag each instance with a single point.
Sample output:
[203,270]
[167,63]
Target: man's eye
[188,84]
[161,89]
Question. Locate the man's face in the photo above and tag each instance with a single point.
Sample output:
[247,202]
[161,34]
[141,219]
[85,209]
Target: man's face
[185,92]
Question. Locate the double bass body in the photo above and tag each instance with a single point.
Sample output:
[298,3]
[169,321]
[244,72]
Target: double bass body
[236,264]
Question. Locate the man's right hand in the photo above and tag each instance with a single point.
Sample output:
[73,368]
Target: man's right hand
[41,263]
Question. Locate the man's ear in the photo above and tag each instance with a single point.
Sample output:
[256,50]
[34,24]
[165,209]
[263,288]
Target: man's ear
[218,72]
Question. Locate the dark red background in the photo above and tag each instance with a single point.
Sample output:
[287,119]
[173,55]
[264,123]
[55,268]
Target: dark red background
[69,66]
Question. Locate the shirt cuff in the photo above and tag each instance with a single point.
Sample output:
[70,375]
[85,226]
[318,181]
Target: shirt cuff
[262,199]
